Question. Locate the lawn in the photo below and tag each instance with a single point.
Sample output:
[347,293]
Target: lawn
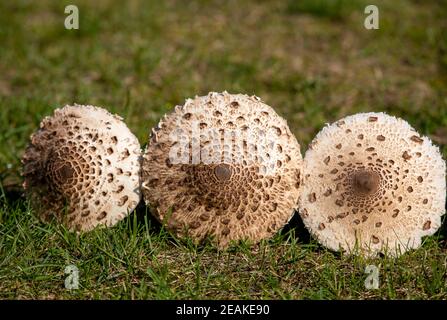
[312,60]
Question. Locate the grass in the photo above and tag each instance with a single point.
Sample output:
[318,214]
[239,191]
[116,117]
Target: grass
[312,60]
[334,10]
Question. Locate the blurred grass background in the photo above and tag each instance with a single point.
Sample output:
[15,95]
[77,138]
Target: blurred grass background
[312,60]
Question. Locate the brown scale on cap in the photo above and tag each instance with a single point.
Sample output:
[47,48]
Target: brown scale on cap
[387,193]
[236,177]
[69,167]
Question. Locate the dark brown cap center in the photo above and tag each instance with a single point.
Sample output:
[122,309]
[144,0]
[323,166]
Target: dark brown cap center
[66,172]
[222,172]
[366,182]
[61,171]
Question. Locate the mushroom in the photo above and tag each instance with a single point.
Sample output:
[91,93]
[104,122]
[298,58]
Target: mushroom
[223,166]
[82,168]
[372,184]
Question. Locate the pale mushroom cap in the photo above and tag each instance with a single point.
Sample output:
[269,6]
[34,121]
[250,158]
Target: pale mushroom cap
[372,184]
[247,191]
[82,167]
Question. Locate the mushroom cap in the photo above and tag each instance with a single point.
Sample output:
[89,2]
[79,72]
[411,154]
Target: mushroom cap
[372,184]
[223,166]
[82,167]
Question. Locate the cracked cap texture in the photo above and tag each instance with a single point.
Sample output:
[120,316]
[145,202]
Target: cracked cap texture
[372,184]
[224,166]
[82,168]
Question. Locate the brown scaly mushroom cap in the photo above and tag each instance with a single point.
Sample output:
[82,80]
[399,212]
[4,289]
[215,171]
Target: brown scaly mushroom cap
[372,183]
[82,167]
[225,166]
